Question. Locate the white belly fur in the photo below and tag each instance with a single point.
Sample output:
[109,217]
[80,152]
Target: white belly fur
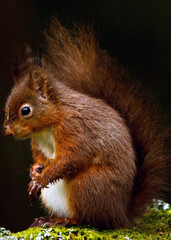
[54,199]
[54,196]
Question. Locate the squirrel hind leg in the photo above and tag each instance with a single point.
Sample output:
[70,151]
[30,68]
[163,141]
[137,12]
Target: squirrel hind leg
[53,221]
[96,198]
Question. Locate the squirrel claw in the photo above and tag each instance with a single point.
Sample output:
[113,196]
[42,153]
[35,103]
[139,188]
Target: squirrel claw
[34,190]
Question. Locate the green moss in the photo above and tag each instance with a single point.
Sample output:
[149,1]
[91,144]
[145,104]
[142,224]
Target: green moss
[154,225]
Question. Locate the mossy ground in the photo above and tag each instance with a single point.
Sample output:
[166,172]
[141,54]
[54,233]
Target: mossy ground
[156,224]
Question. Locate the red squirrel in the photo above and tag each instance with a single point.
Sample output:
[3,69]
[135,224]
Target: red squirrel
[97,143]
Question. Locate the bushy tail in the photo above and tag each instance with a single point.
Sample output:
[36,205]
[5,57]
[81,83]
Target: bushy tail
[79,62]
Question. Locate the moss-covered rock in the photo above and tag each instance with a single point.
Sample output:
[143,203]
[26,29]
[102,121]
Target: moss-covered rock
[156,224]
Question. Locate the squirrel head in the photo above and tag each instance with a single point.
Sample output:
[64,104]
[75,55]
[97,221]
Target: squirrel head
[32,104]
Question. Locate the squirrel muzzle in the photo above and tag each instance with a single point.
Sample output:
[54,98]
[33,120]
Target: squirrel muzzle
[7,130]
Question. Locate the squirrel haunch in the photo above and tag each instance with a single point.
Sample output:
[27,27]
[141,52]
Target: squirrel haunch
[96,138]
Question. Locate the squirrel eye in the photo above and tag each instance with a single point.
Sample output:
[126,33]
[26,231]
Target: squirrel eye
[26,110]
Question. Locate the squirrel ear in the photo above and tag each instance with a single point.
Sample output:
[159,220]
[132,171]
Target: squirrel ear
[39,82]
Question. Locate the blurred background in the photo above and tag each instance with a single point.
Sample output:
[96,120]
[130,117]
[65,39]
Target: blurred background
[137,33]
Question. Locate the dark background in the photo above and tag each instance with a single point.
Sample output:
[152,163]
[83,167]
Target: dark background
[135,32]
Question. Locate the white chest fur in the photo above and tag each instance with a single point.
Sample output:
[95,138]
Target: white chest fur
[54,196]
[46,143]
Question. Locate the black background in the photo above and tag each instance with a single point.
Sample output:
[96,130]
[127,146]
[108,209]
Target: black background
[134,32]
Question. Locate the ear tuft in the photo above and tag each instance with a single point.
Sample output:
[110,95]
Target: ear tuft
[23,59]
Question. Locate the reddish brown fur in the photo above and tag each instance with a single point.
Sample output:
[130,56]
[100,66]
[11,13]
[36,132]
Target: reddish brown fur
[109,144]
[97,76]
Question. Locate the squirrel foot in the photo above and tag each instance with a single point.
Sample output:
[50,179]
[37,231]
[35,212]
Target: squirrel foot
[53,221]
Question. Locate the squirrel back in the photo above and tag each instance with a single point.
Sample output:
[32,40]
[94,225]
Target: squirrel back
[76,59]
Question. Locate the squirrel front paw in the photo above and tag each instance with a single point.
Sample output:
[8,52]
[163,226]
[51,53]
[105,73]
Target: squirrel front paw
[36,170]
[34,189]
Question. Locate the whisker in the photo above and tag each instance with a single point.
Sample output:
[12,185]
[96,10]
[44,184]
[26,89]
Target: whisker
[22,171]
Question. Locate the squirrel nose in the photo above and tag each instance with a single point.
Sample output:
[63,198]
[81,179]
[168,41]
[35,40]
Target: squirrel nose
[7,131]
